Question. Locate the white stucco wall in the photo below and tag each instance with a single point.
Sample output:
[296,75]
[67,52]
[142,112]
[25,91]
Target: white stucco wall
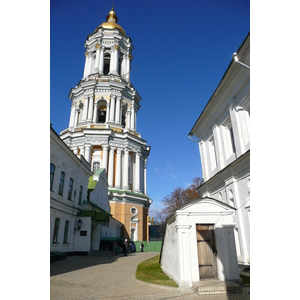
[180,253]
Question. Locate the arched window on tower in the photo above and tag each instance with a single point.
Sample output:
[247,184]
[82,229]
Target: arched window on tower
[101,117]
[124,109]
[106,63]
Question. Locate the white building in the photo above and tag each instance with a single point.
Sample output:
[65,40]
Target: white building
[79,206]
[103,125]
[223,132]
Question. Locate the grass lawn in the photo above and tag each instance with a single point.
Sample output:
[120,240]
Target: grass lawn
[150,271]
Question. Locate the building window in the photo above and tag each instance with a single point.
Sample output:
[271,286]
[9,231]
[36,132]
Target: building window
[96,166]
[52,169]
[80,195]
[66,232]
[61,183]
[70,189]
[55,233]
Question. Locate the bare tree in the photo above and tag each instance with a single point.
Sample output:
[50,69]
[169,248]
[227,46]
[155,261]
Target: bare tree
[177,198]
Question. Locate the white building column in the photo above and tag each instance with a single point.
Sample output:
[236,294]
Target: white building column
[85,65]
[145,177]
[101,62]
[112,60]
[95,113]
[137,177]
[105,157]
[97,58]
[203,159]
[107,118]
[127,72]
[128,117]
[76,117]
[117,119]
[125,170]
[118,168]
[90,114]
[220,154]
[132,125]
[112,107]
[236,128]
[72,116]
[85,108]
[116,71]
[111,167]
[87,153]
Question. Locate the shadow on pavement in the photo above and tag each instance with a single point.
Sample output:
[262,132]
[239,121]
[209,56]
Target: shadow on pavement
[74,263]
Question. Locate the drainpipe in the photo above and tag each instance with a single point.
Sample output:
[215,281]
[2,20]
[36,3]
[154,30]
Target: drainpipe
[234,56]
[193,139]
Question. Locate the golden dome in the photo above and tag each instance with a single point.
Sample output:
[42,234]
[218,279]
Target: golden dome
[111,22]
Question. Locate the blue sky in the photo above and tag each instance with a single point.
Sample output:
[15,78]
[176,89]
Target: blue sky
[181,51]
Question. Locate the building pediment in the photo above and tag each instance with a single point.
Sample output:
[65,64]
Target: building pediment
[205,205]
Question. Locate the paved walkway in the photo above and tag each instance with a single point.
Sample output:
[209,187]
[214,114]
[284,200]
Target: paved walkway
[101,276]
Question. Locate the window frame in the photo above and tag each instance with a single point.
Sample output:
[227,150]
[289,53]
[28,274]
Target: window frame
[80,194]
[71,182]
[66,231]
[61,183]
[52,172]
[55,232]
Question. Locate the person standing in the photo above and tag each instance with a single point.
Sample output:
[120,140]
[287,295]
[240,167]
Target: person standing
[125,247]
[142,247]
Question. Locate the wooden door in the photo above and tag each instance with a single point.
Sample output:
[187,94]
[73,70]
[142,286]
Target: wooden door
[207,252]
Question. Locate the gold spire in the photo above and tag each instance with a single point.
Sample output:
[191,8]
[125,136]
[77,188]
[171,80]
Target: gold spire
[111,21]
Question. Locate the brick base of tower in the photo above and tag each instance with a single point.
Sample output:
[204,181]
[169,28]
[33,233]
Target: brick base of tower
[134,218]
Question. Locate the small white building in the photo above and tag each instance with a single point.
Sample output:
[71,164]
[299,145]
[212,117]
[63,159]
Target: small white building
[223,136]
[199,243]
[79,206]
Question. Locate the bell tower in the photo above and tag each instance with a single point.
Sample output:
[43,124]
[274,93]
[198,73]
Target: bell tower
[103,125]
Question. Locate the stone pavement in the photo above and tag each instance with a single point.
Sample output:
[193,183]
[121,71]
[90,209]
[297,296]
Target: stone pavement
[107,276]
